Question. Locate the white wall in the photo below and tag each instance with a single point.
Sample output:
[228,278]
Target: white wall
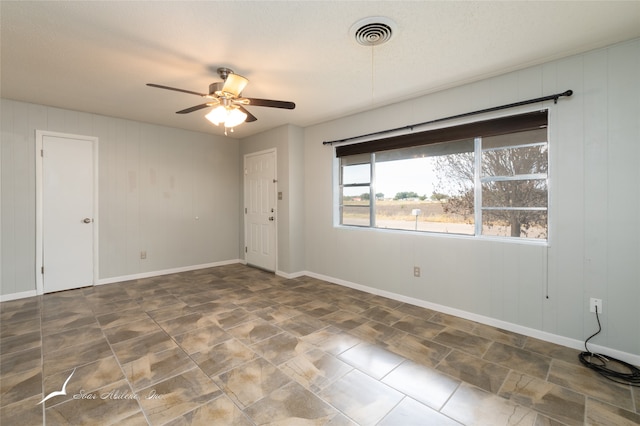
[594,240]
[153,183]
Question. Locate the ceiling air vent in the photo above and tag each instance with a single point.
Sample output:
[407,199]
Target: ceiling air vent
[373,31]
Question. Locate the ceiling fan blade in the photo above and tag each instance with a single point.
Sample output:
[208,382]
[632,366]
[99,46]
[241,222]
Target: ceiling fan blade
[176,90]
[270,103]
[193,108]
[250,117]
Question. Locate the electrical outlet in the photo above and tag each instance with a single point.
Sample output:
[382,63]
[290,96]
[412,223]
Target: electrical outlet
[143,254]
[416,271]
[593,303]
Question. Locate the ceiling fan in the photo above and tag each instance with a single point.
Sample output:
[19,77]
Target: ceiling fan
[226,97]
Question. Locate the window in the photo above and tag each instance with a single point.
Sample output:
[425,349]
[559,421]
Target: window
[487,178]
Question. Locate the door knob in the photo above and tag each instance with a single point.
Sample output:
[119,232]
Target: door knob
[87,220]
[271,218]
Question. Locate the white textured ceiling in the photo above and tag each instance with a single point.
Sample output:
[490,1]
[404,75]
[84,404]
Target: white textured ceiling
[97,56]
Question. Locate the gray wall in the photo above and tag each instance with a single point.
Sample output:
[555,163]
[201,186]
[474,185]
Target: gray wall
[153,183]
[155,180]
[594,180]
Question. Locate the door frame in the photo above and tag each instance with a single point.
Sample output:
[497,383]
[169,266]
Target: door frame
[40,135]
[273,151]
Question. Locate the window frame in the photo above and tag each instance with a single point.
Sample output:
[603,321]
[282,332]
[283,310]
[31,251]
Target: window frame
[479,180]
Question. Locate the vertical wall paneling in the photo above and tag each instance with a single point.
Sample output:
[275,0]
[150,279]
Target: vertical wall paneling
[595,189]
[149,177]
[623,289]
[594,195]
[568,209]
[551,300]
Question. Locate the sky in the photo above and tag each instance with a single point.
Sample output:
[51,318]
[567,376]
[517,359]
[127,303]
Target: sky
[410,175]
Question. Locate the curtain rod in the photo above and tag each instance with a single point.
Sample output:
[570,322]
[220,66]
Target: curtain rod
[466,114]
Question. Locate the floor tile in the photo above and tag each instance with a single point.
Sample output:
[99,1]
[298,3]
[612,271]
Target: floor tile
[292,404]
[375,332]
[188,322]
[223,357]
[131,330]
[601,413]
[478,372]
[466,342]
[20,386]
[156,367]
[177,396]
[345,320]
[371,359]
[276,314]
[101,410]
[254,331]
[24,412]
[416,311]
[139,347]
[332,340]
[281,348]
[547,398]
[302,325]
[417,349]
[362,398]
[453,322]
[21,361]
[586,381]
[423,384]
[472,406]
[551,350]
[201,339]
[518,359]
[69,321]
[11,329]
[418,326]
[82,380]
[74,356]
[315,369]
[411,413]
[21,342]
[382,314]
[220,410]
[115,319]
[499,335]
[251,381]
[71,337]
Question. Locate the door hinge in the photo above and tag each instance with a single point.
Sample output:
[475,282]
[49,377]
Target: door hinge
[245,210]
[42,153]
[245,249]
[42,270]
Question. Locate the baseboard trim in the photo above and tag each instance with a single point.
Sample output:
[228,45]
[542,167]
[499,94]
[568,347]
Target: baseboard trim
[165,272]
[530,332]
[16,296]
[290,276]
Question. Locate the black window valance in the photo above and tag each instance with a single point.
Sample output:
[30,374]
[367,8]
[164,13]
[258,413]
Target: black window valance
[486,128]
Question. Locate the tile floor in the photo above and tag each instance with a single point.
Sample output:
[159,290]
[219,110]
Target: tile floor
[235,345]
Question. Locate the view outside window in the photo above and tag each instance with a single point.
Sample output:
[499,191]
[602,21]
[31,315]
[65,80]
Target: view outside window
[435,188]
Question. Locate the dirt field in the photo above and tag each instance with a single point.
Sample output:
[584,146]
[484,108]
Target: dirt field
[394,214]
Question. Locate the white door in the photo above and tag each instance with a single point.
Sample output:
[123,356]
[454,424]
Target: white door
[260,209]
[67,213]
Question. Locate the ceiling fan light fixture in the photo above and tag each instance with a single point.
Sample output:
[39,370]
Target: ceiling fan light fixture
[234,85]
[229,116]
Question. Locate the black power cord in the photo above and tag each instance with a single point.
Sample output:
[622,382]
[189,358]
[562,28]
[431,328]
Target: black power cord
[611,368]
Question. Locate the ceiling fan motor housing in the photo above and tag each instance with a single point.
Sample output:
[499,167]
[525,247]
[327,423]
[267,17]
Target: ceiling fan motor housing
[215,87]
